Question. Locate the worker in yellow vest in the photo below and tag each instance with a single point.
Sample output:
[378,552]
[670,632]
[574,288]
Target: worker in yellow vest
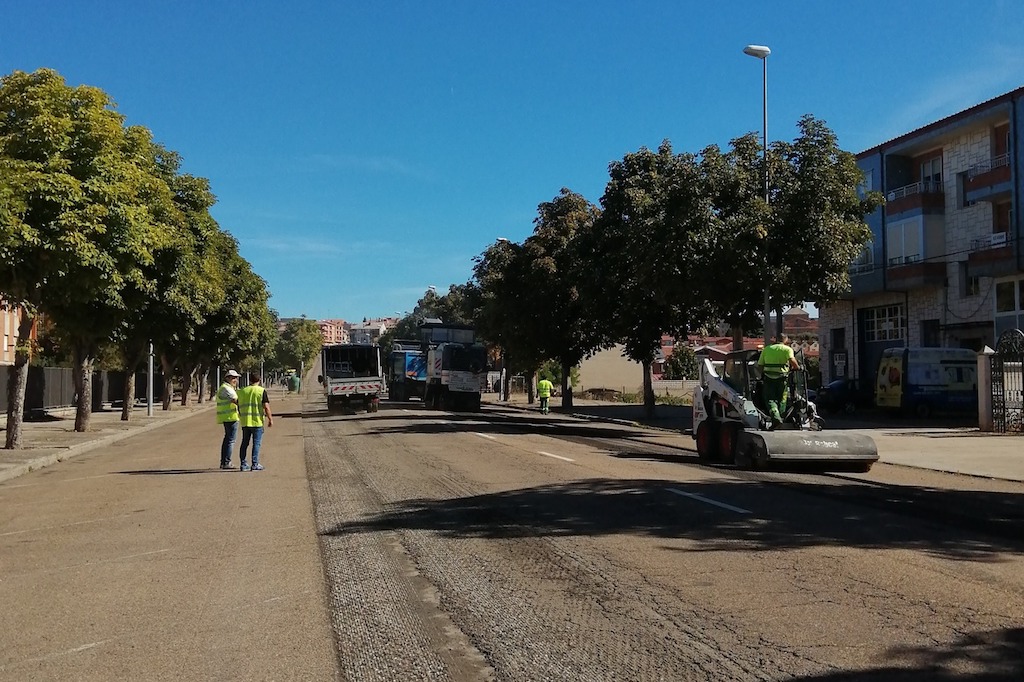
[775,361]
[254,412]
[544,389]
[227,414]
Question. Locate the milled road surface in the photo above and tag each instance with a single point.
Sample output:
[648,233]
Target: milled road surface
[419,545]
[517,547]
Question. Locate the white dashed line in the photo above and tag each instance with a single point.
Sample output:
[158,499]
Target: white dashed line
[707,500]
[548,454]
[485,435]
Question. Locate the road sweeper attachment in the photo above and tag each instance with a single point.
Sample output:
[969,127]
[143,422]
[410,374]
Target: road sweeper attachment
[731,422]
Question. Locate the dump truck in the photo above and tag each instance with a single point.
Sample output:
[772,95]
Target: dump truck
[731,422]
[456,366]
[352,375]
[406,371]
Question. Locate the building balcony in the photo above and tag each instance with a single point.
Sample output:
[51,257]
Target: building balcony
[991,256]
[910,272]
[989,180]
[865,279]
[925,197]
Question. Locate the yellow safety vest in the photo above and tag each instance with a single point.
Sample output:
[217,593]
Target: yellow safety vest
[250,405]
[544,388]
[227,411]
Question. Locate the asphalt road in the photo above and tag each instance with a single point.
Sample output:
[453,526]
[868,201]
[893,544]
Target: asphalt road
[513,546]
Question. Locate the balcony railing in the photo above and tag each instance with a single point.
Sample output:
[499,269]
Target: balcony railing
[923,187]
[905,260]
[861,268]
[985,166]
[991,241]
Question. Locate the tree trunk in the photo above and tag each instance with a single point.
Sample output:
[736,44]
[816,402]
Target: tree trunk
[168,368]
[132,362]
[17,381]
[737,337]
[778,324]
[83,385]
[566,386]
[506,381]
[187,372]
[530,376]
[201,376]
[648,390]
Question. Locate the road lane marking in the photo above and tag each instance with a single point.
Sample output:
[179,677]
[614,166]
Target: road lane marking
[63,525]
[485,435]
[548,454]
[708,500]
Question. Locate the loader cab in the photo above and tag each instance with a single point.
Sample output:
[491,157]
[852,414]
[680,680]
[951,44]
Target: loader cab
[744,375]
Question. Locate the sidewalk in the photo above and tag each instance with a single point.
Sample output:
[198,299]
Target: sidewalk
[145,561]
[955,450]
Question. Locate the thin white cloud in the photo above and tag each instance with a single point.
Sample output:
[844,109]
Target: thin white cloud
[998,71]
[306,247]
[383,165]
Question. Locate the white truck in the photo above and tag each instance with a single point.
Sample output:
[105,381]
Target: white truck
[456,366]
[352,374]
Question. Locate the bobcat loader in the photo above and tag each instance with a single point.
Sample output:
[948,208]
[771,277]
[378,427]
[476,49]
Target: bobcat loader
[731,422]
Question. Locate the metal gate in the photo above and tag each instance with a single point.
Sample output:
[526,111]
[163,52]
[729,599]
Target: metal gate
[1008,383]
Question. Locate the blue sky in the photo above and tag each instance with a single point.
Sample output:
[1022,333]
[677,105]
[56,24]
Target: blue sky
[363,151]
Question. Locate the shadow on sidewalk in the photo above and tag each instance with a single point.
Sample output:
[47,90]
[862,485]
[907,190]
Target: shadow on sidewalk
[161,472]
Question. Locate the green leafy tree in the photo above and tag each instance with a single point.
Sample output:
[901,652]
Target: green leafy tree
[566,323]
[682,364]
[301,342]
[78,222]
[818,225]
[654,208]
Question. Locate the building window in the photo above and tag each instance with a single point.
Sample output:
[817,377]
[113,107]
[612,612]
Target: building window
[904,241]
[1005,301]
[931,337]
[931,171]
[868,184]
[970,285]
[1002,215]
[961,190]
[865,262]
[886,323]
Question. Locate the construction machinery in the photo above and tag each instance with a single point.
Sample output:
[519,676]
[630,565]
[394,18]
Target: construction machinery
[406,370]
[352,374]
[731,423]
[456,366]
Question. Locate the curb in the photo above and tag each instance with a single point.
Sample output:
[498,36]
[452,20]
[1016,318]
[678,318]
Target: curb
[68,452]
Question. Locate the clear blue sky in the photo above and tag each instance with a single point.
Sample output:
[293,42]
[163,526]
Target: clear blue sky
[363,151]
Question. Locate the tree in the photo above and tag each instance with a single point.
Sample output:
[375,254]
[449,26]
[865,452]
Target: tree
[566,323]
[818,215]
[682,364]
[77,222]
[301,341]
[653,209]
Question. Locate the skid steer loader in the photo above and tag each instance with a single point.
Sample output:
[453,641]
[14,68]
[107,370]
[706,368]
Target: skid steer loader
[731,422]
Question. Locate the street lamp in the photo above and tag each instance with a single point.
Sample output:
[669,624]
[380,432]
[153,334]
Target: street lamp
[761,52]
[502,393]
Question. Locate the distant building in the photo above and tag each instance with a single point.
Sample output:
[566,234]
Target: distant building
[334,331]
[11,318]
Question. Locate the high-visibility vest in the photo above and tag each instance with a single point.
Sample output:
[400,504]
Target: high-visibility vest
[775,360]
[250,406]
[544,388]
[227,411]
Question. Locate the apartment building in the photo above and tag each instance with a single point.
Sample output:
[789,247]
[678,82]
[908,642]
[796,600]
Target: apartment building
[334,331]
[945,266]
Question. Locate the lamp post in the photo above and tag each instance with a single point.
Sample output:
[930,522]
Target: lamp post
[761,52]
[502,392]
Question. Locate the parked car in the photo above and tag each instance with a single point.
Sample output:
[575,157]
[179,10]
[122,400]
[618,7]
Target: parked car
[841,395]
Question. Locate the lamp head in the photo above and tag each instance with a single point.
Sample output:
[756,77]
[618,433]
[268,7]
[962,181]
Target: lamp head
[759,51]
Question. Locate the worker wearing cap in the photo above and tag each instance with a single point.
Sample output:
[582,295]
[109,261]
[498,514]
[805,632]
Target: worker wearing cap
[776,360]
[227,414]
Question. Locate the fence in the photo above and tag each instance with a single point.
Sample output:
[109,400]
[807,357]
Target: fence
[54,387]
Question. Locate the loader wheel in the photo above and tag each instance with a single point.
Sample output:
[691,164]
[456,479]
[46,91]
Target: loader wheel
[728,434]
[707,441]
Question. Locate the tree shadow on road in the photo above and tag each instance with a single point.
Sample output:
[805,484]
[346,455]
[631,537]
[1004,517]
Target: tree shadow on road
[854,515]
[982,656]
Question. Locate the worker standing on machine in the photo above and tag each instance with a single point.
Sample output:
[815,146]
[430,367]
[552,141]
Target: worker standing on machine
[776,360]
